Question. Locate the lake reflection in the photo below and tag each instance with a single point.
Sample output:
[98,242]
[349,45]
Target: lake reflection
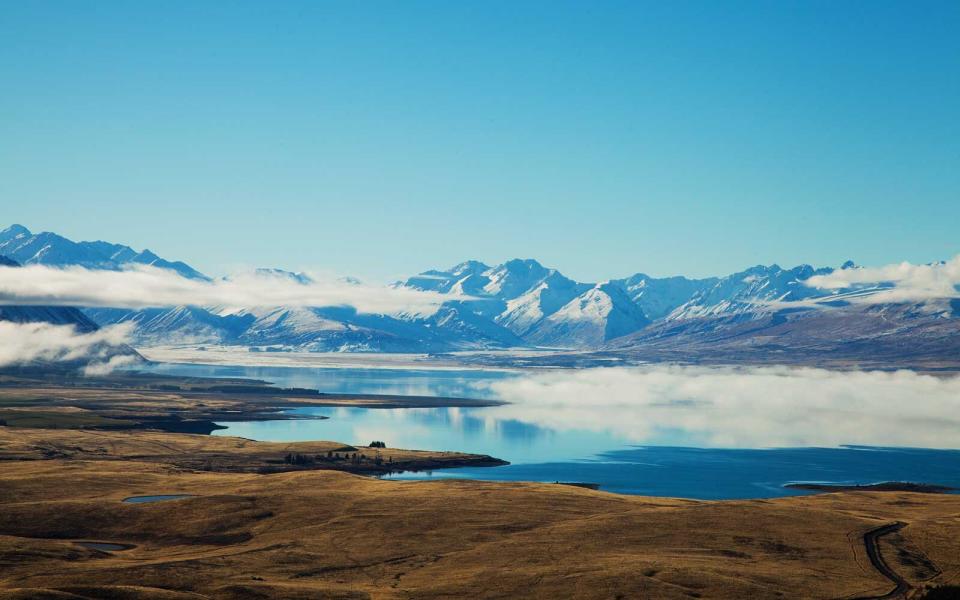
[679,406]
[407,382]
[681,431]
[456,429]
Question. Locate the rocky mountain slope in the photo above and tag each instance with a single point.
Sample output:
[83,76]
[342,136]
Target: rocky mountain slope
[910,333]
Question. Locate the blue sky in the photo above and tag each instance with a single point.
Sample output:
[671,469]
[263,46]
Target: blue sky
[383,138]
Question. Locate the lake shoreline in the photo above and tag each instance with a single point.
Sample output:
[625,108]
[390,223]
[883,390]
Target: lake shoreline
[886,486]
[127,401]
[519,361]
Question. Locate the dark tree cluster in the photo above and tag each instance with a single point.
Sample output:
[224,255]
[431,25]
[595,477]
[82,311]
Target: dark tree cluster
[943,592]
[298,459]
[354,458]
[377,444]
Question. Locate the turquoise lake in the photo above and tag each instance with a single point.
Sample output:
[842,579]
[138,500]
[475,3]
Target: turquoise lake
[707,434]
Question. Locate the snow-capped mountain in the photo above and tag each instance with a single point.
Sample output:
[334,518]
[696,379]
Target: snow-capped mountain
[855,334]
[521,303]
[602,313]
[454,325]
[747,292]
[514,278]
[658,297]
[19,244]
[640,312]
[466,278]
[522,314]
[318,329]
[177,325]
[544,308]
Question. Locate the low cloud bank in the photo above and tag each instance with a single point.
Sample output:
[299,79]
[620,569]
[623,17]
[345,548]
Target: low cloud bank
[23,343]
[147,287]
[911,283]
[739,407]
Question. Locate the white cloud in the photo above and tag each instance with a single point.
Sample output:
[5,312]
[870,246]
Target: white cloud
[740,407]
[23,343]
[911,283]
[94,369]
[144,286]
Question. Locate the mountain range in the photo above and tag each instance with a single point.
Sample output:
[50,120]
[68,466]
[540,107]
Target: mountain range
[760,313]
[19,244]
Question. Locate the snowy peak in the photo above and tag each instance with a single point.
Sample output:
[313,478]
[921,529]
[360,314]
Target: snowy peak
[474,278]
[519,303]
[657,297]
[536,300]
[513,278]
[543,307]
[599,314]
[146,257]
[524,312]
[464,276]
[14,231]
[469,267]
[749,290]
[46,248]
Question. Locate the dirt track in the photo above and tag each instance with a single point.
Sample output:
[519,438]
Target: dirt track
[870,540]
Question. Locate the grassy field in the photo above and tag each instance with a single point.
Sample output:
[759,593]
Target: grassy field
[57,419]
[220,454]
[324,534]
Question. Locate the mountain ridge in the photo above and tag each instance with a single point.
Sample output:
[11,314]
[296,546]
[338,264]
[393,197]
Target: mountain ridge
[521,303]
[47,248]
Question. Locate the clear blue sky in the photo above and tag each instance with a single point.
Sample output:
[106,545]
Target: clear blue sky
[383,138]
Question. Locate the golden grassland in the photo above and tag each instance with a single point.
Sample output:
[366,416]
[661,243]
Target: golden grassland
[222,454]
[328,534]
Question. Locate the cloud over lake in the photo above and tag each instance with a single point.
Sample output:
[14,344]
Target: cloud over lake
[740,407]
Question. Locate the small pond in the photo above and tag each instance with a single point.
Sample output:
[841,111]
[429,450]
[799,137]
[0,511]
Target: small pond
[158,498]
[105,546]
